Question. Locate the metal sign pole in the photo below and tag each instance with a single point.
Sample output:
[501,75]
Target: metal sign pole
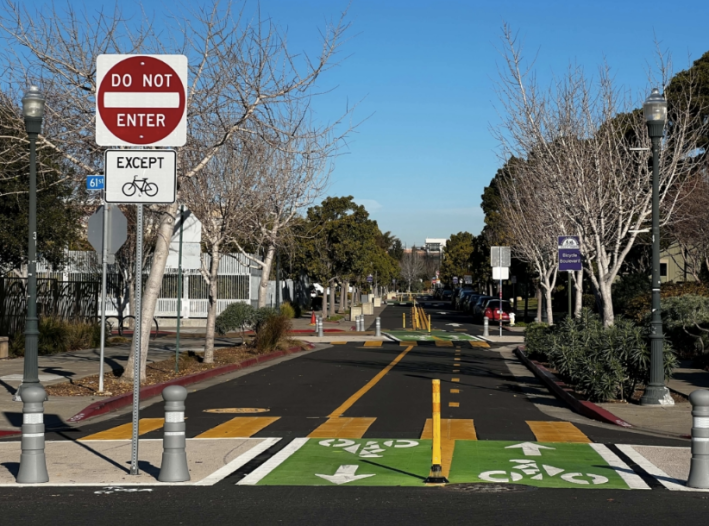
[179,290]
[499,313]
[104,257]
[137,340]
[569,275]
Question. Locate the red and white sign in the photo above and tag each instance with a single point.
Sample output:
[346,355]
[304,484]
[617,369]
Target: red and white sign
[141,100]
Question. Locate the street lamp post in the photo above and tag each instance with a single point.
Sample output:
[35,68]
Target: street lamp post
[655,112]
[33,112]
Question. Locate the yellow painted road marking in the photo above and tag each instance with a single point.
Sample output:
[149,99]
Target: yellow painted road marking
[125,431]
[359,394]
[237,410]
[456,359]
[407,344]
[443,343]
[453,404]
[241,426]
[455,379]
[343,428]
[479,344]
[557,432]
[338,343]
[452,429]
[372,344]
[456,370]
[455,391]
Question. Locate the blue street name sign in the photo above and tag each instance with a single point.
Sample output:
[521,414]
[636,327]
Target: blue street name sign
[570,254]
[95,182]
[370,278]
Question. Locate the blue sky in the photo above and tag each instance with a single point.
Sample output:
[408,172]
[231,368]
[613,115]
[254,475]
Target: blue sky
[424,73]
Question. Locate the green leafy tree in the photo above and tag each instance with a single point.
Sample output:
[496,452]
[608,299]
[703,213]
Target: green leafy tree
[456,256]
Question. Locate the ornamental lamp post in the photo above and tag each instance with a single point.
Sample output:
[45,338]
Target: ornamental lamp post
[655,112]
[33,112]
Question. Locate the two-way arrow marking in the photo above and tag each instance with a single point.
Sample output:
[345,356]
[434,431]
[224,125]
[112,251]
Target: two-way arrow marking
[344,474]
[530,449]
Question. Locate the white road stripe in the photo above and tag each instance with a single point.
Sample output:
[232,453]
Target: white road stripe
[238,462]
[272,463]
[627,474]
[664,479]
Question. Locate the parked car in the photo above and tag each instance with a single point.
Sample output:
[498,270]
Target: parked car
[460,297]
[446,294]
[470,301]
[494,312]
[479,307]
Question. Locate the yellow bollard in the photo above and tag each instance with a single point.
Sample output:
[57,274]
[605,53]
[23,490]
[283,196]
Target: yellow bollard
[436,475]
[404,315]
[429,323]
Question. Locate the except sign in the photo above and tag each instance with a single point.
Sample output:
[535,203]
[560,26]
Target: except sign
[141,100]
[569,254]
[140,176]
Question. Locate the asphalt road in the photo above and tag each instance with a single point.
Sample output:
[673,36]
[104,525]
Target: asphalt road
[305,391]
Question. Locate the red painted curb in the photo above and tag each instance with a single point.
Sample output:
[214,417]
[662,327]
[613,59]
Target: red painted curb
[4,434]
[556,386]
[112,404]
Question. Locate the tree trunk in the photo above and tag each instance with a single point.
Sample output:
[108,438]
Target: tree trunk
[550,312]
[578,287]
[151,291]
[324,302]
[131,303]
[212,308]
[347,294]
[332,298]
[526,302]
[343,295]
[538,295]
[607,301]
[265,275]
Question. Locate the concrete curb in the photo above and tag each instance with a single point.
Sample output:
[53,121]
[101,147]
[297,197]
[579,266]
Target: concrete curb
[117,402]
[559,389]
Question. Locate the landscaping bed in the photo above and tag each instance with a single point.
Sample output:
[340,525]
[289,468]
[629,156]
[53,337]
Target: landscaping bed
[159,372]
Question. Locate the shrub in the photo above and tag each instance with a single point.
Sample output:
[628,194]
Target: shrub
[603,363]
[536,339]
[628,287]
[58,336]
[272,333]
[262,315]
[287,310]
[237,316]
[639,307]
[685,320]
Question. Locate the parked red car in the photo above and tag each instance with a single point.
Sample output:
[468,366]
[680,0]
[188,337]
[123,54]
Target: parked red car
[493,312]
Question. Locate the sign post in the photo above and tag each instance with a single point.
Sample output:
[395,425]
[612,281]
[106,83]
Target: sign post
[569,260]
[500,261]
[141,100]
[108,230]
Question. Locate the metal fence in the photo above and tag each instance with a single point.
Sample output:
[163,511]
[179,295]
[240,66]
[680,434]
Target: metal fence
[70,300]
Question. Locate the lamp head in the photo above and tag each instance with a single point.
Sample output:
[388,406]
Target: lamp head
[655,113]
[33,103]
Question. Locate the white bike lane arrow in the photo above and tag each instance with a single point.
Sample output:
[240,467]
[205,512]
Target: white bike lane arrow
[344,474]
[530,449]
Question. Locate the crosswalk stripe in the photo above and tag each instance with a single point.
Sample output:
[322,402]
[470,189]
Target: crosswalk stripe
[372,344]
[452,429]
[478,344]
[241,426]
[343,427]
[125,431]
[444,343]
[338,343]
[557,432]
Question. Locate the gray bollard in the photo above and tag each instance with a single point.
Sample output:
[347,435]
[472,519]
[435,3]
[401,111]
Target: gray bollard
[320,327]
[33,463]
[174,457]
[486,326]
[699,467]
[361,323]
[378,327]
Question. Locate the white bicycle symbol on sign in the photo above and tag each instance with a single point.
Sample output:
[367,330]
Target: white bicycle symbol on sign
[529,467]
[141,185]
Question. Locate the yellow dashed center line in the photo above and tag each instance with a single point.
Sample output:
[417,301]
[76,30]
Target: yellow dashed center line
[453,404]
[455,379]
[343,428]
[455,391]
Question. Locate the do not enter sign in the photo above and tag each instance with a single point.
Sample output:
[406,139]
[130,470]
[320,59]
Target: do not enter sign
[141,100]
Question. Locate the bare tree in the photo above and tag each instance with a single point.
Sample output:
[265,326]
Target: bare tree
[412,267]
[580,133]
[242,79]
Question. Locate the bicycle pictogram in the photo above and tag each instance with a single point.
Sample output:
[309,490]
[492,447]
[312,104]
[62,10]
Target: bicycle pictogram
[140,185]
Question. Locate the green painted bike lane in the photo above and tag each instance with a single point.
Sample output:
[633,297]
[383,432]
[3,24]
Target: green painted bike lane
[387,462]
[425,336]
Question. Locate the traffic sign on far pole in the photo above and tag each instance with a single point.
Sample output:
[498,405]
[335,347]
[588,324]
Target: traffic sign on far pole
[141,100]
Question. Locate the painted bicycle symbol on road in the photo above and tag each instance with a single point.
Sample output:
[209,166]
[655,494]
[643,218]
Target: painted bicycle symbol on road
[532,469]
[140,185]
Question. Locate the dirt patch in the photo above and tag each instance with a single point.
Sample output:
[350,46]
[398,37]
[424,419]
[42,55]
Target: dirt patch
[157,372]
